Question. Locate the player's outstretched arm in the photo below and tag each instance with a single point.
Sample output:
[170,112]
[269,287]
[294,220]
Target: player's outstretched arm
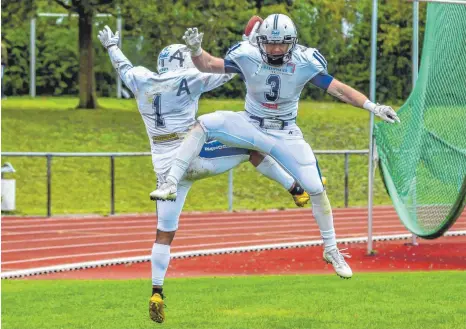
[352,96]
[204,61]
[119,61]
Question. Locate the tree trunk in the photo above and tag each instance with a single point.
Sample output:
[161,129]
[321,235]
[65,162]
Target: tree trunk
[87,94]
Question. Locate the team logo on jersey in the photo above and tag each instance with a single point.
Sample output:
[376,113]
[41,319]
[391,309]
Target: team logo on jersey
[289,68]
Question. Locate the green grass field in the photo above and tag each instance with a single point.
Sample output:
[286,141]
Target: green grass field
[82,185]
[421,300]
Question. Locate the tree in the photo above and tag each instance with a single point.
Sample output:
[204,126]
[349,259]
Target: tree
[86,10]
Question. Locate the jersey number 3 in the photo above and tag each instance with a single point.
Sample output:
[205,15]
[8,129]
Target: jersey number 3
[157,106]
[274,81]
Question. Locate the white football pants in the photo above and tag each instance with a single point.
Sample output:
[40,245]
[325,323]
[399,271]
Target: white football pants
[286,146]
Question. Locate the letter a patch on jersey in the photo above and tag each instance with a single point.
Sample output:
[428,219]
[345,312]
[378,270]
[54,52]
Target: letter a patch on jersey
[183,87]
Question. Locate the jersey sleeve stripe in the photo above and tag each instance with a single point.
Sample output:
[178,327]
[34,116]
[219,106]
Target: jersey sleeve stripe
[321,57]
[320,60]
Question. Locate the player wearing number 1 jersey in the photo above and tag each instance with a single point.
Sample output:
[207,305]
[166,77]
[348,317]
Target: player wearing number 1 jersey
[168,102]
[275,70]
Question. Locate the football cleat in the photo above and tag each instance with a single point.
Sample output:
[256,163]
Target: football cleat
[301,199]
[337,259]
[165,192]
[156,308]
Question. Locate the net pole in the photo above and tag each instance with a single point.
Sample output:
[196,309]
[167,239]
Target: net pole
[415,64]
[371,125]
[119,46]
[32,59]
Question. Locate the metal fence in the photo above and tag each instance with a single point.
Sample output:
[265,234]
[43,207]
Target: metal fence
[112,156]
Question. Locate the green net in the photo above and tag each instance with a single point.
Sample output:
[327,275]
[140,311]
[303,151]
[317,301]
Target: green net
[423,159]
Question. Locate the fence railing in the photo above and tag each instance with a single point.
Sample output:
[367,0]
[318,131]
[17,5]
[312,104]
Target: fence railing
[112,156]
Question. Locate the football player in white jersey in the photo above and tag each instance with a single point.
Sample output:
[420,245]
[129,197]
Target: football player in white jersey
[275,70]
[168,102]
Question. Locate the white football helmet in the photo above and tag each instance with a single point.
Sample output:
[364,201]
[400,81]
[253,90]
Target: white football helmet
[277,29]
[172,58]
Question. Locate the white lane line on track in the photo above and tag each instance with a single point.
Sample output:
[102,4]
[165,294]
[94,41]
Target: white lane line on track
[127,230]
[204,216]
[184,225]
[196,221]
[179,238]
[147,250]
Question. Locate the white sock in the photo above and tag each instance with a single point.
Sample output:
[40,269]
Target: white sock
[322,212]
[188,150]
[271,169]
[159,260]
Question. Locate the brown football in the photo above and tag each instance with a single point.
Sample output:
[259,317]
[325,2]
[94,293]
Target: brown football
[251,24]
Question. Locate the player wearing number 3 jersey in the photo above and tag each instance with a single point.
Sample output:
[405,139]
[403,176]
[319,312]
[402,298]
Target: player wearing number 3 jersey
[168,102]
[275,70]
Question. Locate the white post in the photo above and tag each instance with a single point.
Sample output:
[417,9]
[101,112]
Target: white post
[371,125]
[230,190]
[32,66]
[119,45]
[415,62]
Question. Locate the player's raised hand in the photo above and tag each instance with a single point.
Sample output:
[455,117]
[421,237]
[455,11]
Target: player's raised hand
[386,113]
[193,40]
[107,38]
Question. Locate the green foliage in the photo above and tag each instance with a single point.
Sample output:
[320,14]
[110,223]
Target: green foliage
[415,300]
[151,25]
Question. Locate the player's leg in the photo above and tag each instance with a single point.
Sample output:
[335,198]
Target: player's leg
[194,141]
[295,154]
[268,167]
[168,214]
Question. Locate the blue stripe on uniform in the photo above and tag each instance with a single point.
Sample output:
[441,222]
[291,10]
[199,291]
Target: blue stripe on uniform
[322,80]
[215,149]
[320,61]
[321,57]
[275,22]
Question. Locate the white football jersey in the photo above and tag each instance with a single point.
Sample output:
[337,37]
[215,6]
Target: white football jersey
[274,91]
[167,102]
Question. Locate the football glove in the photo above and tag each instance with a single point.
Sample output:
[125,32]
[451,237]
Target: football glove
[193,40]
[386,113]
[107,38]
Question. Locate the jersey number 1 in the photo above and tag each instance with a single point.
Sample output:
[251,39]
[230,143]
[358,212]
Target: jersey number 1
[157,106]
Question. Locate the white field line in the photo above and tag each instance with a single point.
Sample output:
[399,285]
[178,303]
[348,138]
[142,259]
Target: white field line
[186,254]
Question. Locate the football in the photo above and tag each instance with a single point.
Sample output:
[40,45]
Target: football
[251,24]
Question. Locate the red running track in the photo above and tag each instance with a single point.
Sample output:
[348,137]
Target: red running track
[37,242]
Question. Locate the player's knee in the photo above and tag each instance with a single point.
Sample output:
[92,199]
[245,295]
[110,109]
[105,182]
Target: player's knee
[212,122]
[256,158]
[164,237]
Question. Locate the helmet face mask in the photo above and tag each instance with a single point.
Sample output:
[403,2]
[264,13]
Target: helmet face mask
[277,30]
[172,58]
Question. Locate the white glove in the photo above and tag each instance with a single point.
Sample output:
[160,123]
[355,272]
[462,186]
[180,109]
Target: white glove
[107,38]
[384,112]
[193,41]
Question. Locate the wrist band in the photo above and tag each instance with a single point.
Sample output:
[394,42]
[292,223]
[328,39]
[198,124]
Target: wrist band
[370,106]
[197,53]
